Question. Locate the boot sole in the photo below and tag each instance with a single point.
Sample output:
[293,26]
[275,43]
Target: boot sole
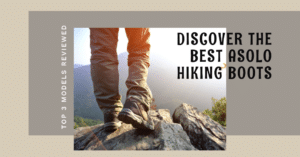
[111,126]
[128,117]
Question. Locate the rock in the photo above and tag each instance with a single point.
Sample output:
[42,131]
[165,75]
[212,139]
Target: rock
[166,136]
[204,133]
[173,137]
[161,115]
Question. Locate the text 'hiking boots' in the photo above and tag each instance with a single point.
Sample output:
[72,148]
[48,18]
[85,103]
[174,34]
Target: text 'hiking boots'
[135,114]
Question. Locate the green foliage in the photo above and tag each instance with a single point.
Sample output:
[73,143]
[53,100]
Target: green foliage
[82,122]
[218,112]
[75,125]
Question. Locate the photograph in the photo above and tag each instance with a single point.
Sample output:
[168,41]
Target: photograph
[149,89]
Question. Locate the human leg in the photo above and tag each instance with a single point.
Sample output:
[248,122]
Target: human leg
[139,96]
[104,72]
[138,63]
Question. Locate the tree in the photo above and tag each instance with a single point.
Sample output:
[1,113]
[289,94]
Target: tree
[75,125]
[218,112]
[83,122]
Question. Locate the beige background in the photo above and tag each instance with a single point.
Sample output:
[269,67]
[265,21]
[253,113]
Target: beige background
[15,140]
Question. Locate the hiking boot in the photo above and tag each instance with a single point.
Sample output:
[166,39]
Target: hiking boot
[111,122]
[134,113]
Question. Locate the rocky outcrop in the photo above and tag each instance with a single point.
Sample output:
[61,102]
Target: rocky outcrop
[204,133]
[167,136]
[192,131]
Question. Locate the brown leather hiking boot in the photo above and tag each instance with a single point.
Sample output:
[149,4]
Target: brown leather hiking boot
[111,122]
[134,113]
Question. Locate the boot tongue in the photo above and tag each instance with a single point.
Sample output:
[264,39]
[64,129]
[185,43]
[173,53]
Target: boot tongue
[136,107]
[140,105]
